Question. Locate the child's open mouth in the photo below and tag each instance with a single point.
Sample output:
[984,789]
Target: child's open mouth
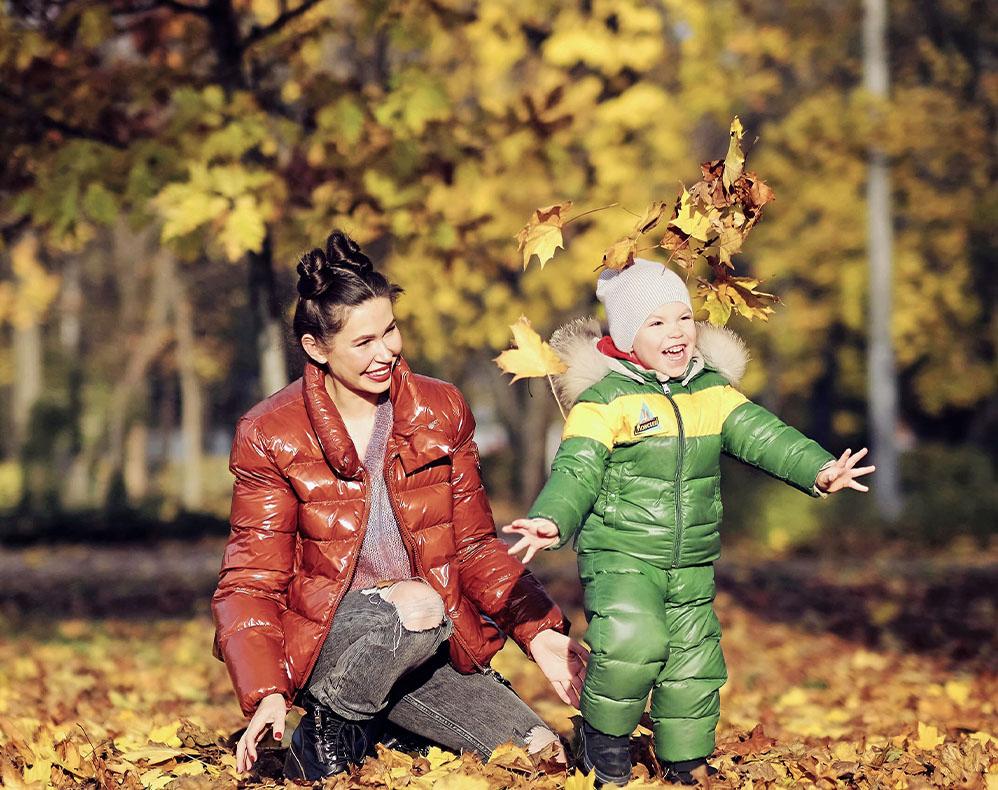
[675,353]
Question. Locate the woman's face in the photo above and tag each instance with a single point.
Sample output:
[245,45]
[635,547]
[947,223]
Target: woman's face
[362,354]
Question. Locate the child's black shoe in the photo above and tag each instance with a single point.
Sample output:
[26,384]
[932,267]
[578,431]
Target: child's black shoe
[681,772]
[609,755]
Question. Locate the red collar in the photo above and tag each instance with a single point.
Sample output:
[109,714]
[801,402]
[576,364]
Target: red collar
[606,346]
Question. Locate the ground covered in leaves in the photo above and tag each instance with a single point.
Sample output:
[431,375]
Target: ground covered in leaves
[869,673]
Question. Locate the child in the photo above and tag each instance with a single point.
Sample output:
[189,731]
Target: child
[638,472]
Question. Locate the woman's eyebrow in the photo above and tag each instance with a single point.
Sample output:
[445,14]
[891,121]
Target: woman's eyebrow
[359,338]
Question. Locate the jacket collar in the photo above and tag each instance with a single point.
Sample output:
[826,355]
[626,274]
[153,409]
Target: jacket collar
[415,436]
[577,343]
[627,364]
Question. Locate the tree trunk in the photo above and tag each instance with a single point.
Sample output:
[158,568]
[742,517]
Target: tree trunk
[27,385]
[192,400]
[265,304]
[73,491]
[154,339]
[136,468]
[526,412]
[882,383]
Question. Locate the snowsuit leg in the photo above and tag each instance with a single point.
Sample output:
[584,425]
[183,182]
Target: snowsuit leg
[685,702]
[628,635]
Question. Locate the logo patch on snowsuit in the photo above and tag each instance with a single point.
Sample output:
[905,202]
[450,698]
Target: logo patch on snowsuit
[646,420]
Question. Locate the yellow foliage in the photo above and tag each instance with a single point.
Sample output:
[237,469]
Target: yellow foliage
[24,301]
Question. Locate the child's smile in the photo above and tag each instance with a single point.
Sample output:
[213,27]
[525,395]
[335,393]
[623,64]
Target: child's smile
[666,340]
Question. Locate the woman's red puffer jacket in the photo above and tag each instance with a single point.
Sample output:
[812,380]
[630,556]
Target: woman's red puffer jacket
[299,510]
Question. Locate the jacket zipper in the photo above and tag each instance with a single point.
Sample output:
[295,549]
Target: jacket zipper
[419,567]
[679,477]
[350,571]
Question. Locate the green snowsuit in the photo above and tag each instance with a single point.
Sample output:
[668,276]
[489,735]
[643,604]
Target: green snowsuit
[636,481]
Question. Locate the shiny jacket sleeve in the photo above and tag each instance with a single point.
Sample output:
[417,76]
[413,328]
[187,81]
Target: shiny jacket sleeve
[256,568]
[498,584]
[758,437]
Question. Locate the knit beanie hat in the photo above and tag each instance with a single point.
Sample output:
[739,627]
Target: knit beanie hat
[631,295]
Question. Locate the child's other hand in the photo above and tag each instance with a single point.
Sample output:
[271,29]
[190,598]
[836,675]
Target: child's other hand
[843,473]
[537,534]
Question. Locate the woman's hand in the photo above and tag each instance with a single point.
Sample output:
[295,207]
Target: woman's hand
[563,662]
[843,474]
[272,711]
[537,534]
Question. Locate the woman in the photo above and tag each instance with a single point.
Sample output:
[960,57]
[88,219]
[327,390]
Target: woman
[362,578]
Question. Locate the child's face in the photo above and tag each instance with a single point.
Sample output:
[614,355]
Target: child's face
[666,340]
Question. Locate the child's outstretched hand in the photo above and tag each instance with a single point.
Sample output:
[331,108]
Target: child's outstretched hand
[843,473]
[537,534]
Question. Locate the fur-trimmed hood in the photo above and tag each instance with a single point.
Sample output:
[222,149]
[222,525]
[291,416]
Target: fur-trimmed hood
[717,347]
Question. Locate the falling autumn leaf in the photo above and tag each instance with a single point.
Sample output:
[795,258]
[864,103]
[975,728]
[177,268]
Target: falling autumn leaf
[653,214]
[691,218]
[734,160]
[541,236]
[620,254]
[531,357]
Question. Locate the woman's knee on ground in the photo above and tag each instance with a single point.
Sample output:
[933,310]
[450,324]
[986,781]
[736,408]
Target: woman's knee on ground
[540,737]
[419,606]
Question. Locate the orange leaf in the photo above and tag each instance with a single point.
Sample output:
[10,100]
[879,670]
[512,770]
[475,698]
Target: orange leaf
[620,255]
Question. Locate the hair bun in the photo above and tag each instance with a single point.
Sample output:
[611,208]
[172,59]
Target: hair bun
[313,274]
[345,253]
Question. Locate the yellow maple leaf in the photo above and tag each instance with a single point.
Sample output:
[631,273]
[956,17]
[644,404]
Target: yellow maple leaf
[929,737]
[166,734]
[581,781]
[40,771]
[532,357]
[958,691]
[155,779]
[438,757]
[462,782]
[152,754]
[691,218]
[190,768]
[509,755]
[541,236]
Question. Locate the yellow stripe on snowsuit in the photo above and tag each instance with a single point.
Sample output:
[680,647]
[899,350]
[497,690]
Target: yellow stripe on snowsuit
[591,421]
[704,412]
[630,418]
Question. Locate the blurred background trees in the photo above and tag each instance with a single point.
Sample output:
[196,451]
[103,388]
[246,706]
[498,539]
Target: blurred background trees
[167,161]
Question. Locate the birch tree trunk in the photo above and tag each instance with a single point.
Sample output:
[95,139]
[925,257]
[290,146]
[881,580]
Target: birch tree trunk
[192,399]
[881,371]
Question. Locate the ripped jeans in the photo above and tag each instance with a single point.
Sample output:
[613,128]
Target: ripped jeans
[371,663]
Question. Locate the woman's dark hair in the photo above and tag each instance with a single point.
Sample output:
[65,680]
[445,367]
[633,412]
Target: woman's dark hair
[332,280]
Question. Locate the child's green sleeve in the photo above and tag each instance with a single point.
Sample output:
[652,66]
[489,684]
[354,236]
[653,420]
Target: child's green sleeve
[758,437]
[577,471]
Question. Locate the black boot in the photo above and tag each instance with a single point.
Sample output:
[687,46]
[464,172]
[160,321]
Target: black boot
[324,743]
[609,755]
[681,772]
